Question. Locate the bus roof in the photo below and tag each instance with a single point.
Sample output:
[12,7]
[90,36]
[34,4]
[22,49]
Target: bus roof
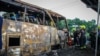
[51,12]
[22,4]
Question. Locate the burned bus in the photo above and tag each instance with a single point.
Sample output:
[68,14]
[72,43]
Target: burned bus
[28,29]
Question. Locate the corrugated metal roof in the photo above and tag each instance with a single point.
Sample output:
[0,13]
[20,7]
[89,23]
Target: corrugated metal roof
[91,4]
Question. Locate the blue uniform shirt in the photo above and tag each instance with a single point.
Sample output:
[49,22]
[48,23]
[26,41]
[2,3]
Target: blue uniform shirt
[1,22]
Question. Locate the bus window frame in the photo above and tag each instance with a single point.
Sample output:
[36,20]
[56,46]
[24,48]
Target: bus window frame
[44,18]
[24,15]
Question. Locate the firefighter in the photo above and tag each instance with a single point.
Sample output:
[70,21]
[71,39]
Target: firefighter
[82,39]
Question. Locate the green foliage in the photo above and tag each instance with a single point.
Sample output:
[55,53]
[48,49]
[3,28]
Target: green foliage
[89,24]
[61,24]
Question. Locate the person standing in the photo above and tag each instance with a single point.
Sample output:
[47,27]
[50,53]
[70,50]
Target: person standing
[82,39]
[76,37]
[99,38]
[93,38]
[1,22]
[66,34]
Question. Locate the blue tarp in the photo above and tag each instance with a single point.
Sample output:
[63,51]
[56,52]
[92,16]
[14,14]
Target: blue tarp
[1,22]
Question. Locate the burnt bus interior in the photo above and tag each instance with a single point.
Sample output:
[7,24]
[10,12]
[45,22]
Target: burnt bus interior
[41,16]
[9,8]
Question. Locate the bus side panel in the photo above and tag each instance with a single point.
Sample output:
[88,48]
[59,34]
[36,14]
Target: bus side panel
[44,35]
[4,29]
[9,27]
[36,38]
[53,36]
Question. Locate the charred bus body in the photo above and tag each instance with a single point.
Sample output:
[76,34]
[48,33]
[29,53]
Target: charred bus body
[29,29]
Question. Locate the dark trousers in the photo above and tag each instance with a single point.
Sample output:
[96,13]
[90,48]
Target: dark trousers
[82,41]
[93,43]
[76,41]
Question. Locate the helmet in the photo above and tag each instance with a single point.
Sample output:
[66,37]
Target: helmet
[73,29]
[83,27]
[98,27]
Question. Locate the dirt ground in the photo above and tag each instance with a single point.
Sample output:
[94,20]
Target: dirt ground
[76,52]
[71,51]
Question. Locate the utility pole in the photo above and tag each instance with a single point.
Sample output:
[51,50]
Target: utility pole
[96,46]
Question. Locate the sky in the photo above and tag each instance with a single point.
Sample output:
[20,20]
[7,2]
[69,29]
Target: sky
[68,8]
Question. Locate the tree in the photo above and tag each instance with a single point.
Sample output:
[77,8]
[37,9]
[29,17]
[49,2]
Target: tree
[89,24]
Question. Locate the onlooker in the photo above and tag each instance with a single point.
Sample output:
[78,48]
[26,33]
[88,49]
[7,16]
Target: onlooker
[93,38]
[76,37]
[66,33]
[1,22]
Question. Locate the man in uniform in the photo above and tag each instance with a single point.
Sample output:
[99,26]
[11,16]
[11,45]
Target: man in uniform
[1,22]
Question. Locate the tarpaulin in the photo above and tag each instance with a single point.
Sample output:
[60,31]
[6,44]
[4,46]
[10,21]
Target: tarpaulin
[1,22]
